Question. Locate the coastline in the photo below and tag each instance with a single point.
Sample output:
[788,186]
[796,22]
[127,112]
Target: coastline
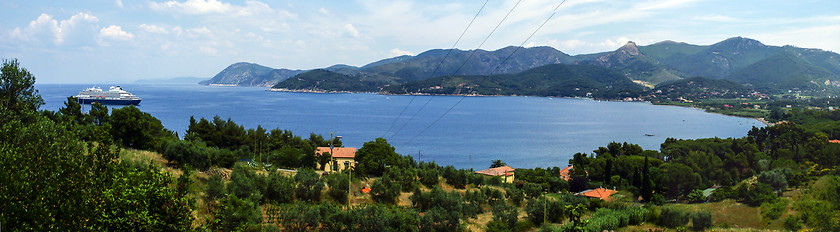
[762,120]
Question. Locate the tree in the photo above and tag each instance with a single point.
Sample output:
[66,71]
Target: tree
[234,214]
[375,155]
[243,182]
[72,112]
[338,183]
[17,89]
[99,113]
[280,189]
[136,129]
[497,163]
[385,190]
[309,185]
[52,182]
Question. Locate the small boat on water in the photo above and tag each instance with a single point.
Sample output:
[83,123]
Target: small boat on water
[114,96]
[649,135]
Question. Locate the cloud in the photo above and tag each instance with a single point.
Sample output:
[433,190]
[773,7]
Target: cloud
[154,29]
[115,32]
[352,30]
[192,6]
[398,52]
[119,3]
[77,29]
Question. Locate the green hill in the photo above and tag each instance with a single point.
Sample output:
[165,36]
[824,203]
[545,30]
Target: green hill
[559,80]
[321,80]
[702,88]
[785,71]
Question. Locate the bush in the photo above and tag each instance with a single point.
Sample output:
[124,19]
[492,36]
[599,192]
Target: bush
[339,186]
[456,178]
[385,190]
[309,185]
[701,220]
[215,187]
[773,210]
[234,213]
[428,177]
[695,196]
[505,213]
[243,182]
[532,190]
[405,177]
[756,195]
[555,210]
[792,223]
[515,195]
[279,188]
[672,217]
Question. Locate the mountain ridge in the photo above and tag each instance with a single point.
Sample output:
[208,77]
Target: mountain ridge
[649,65]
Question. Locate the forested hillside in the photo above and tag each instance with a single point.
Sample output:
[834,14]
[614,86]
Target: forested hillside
[122,170]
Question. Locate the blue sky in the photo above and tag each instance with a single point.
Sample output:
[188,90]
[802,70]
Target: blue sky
[119,41]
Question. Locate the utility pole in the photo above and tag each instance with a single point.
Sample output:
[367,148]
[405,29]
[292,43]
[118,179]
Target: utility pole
[471,163]
[331,151]
[418,156]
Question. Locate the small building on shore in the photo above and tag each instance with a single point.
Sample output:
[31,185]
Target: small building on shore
[506,172]
[342,157]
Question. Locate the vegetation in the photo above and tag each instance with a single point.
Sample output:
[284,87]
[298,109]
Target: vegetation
[64,172]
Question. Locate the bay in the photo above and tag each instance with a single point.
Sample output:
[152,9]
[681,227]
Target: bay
[521,131]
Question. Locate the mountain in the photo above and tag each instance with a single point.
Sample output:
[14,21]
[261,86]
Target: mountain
[742,60]
[561,80]
[785,71]
[720,59]
[250,74]
[458,62]
[322,80]
[702,88]
[634,64]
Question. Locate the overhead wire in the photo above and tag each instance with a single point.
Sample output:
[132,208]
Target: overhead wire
[436,69]
[494,69]
[462,65]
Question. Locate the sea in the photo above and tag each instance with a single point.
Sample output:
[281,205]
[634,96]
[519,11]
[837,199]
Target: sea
[466,132]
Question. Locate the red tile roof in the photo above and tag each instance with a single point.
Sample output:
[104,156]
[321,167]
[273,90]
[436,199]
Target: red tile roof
[338,152]
[565,173]
[601,193]
[500,171]
[834,141]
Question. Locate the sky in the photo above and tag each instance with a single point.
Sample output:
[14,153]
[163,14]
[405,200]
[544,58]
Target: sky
[120,41]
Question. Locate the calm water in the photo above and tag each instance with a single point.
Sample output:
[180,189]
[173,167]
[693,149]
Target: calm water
[522,131]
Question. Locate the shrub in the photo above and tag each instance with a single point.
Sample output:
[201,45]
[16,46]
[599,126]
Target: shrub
[701,220]
[792,223]
[243,182]
[672,217]
[279,188]
[696,196]
[428,177]
[234,213]
[309,185]
[515,195]
[532,190]
[215,187]
[773,210]
[385,190]
[505,213]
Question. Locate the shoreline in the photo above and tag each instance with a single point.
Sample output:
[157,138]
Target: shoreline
[761,120]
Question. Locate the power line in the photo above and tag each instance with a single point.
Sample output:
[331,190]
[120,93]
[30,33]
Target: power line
[435,70]
[529,38]
[461,66]
[494,69]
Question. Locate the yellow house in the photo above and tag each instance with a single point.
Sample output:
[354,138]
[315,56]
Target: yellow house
[506,172]
[343,157]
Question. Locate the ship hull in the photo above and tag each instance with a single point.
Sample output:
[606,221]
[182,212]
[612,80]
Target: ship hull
[110,101]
